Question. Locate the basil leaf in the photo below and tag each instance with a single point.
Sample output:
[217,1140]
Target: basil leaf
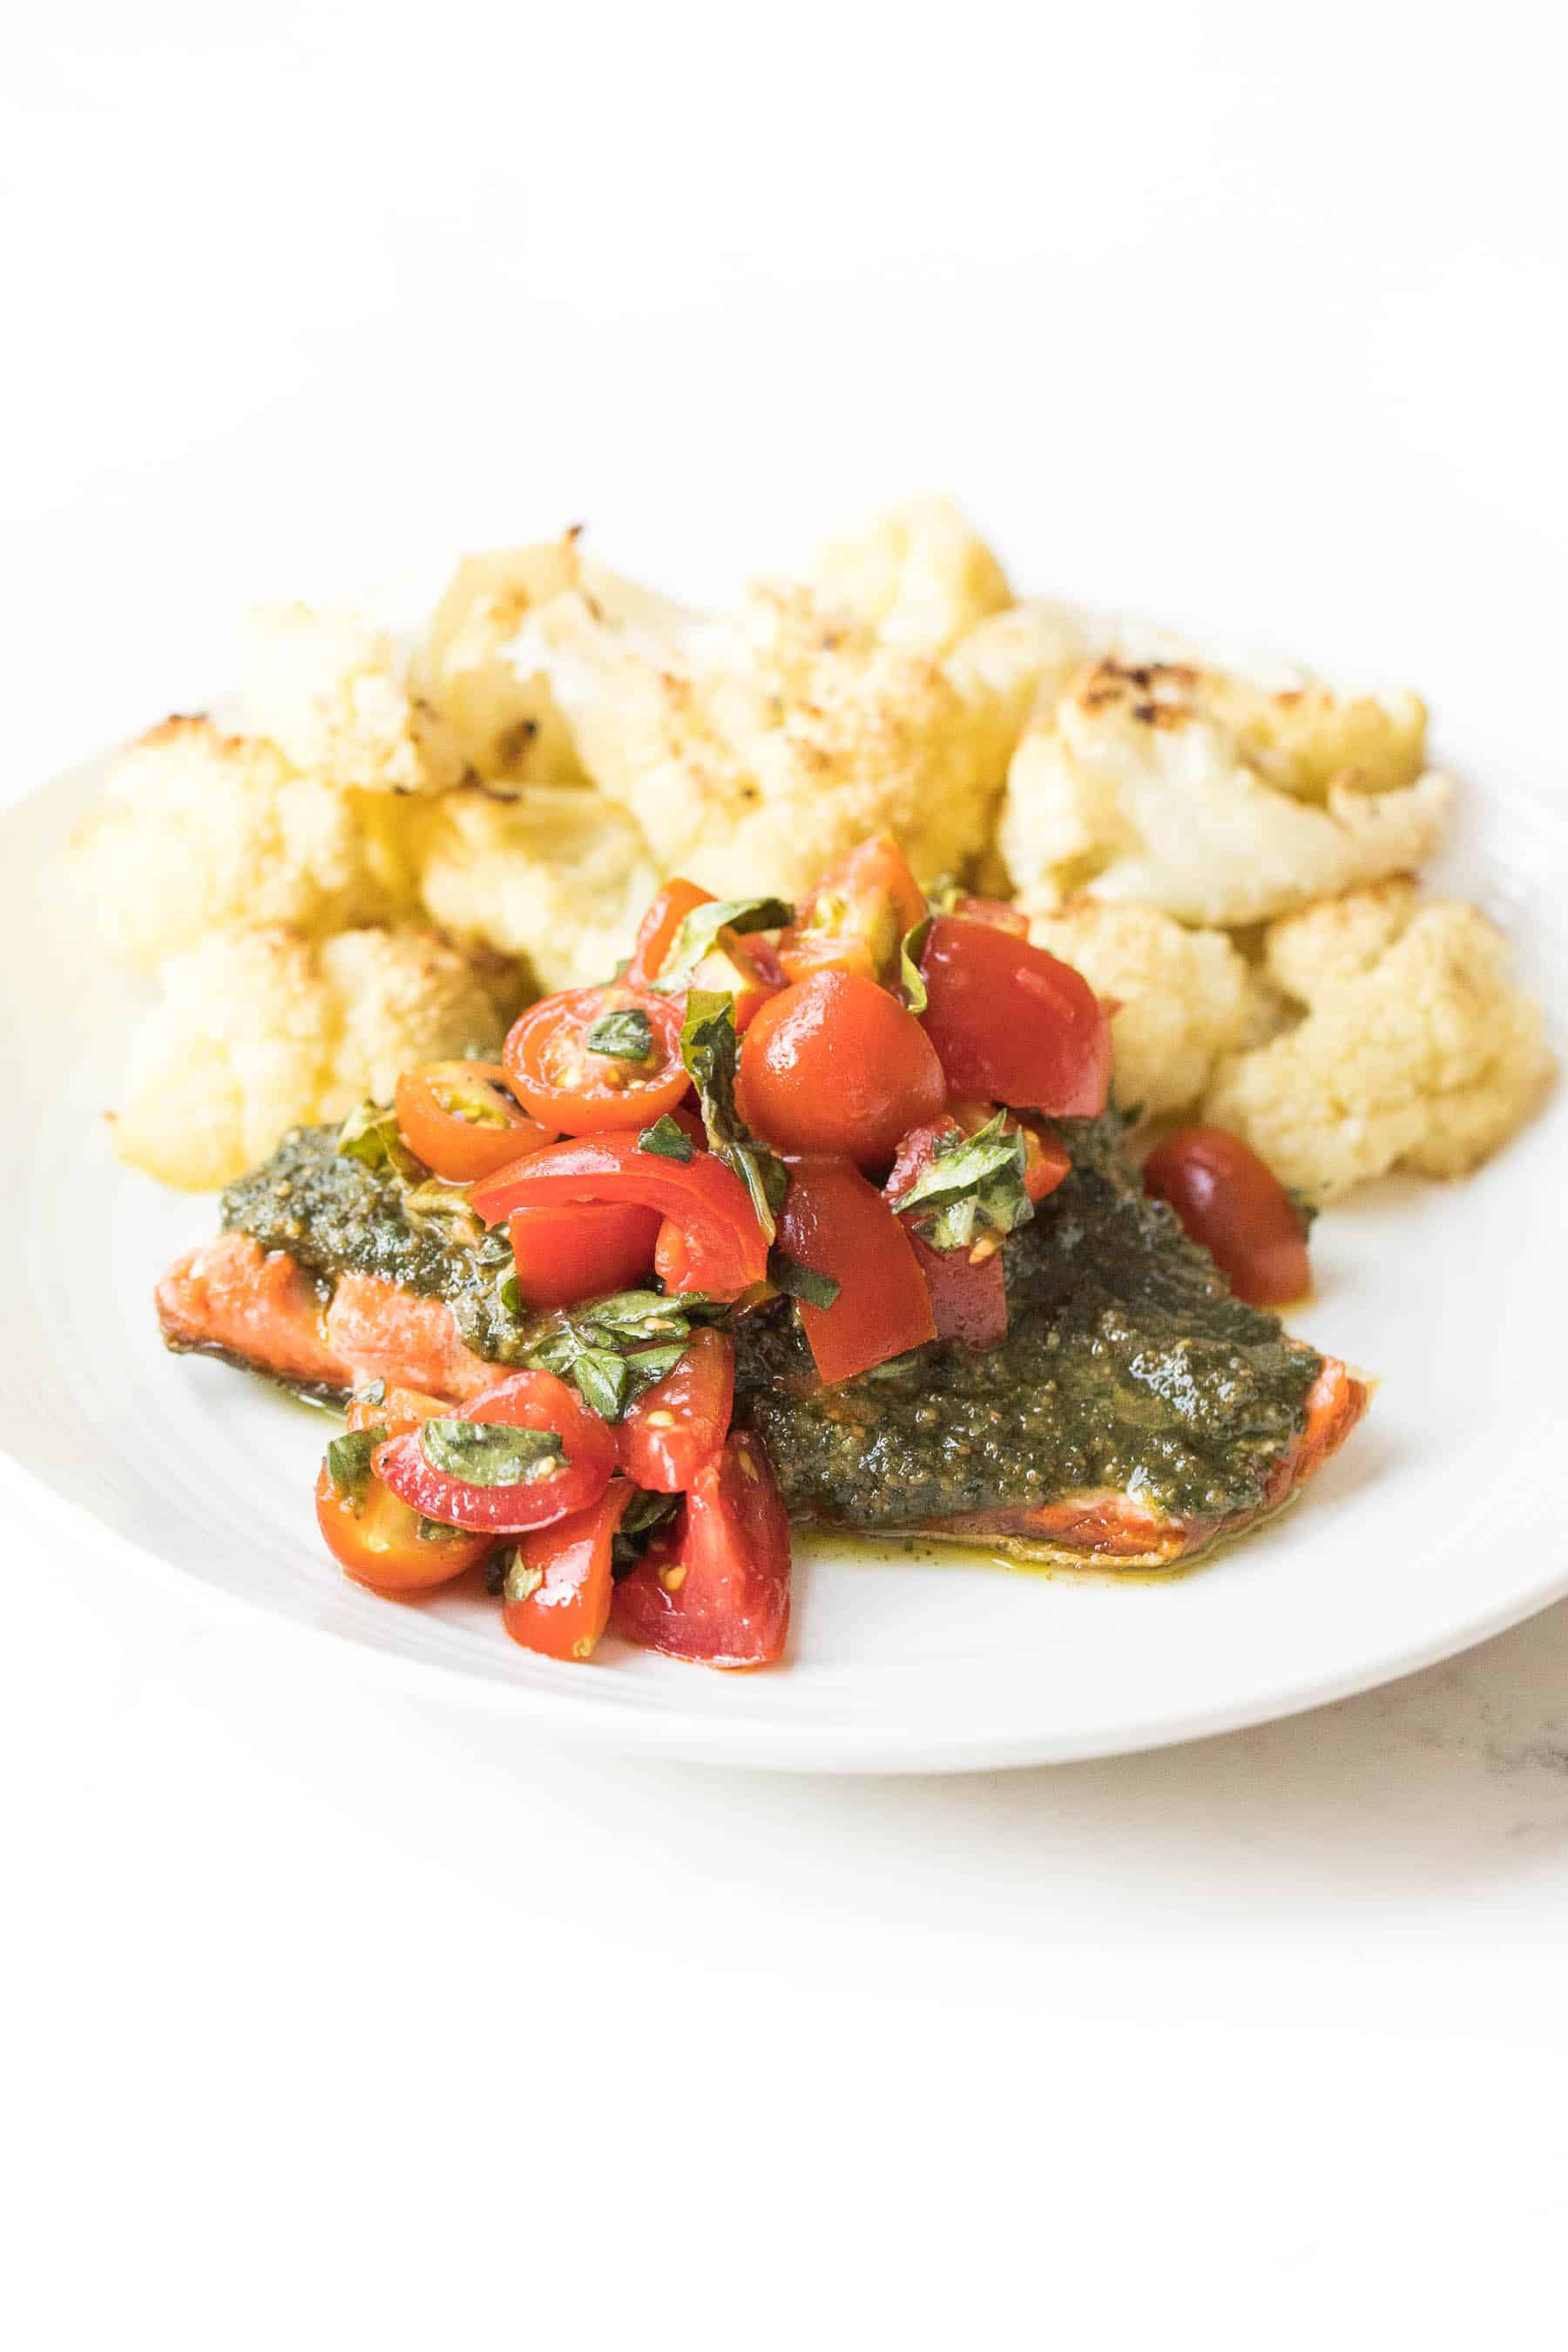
[518,1580]
[974,1185]
[641,1520]
[371,1136]
[667,1140]
[913,947]
[649,1365]
[491,1452]
[626,1035]
[510,1295]
[711,1051]
[348,1465]
[436,1199]
[374,1393]
[437,1530]
[603,1381]
[698,933]
[797,1281]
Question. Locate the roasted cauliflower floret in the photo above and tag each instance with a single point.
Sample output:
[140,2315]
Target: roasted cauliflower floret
[197,829]
[331,689]
[1416,1050]
[918,574]
[262,1030]
[477,666]
[777,742]
[557,876]
[1205,796]
[1185,996]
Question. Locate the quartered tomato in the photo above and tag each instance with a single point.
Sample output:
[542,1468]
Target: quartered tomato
[1012,1023]
[597,1058]
[716,1588]
[460,1118]
[1232,1204]
[580,1251]
[856,917]
[558,1582]
[838,1224]
[967,1292]
[374,1537]
[835,1064]
[725,1250]
[656,932]
[743,968]
[679,1426]
[568,1478]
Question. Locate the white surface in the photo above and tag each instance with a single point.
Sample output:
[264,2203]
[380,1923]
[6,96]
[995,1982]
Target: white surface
[341,2015]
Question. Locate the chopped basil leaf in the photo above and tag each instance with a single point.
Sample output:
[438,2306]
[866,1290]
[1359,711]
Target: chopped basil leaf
[510,1295]
[910,972]
[374,1393]
[491,1452]
[641,1520]
[518,1580]
[437,1530]
[348,1465]
[797,1281]
[667,1140]
[626,1035]
[974,1185]
[371,1136]
[698,933]
[603,1381]
[641,1332]
[711,1051]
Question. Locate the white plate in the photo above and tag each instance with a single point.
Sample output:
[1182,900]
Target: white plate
[1440,1524]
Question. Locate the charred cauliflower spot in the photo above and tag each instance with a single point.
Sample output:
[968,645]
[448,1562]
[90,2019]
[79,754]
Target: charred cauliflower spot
[1415,1050]
[1212,798]
[331,689]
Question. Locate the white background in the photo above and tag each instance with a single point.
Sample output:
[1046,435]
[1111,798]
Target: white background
[339,2016]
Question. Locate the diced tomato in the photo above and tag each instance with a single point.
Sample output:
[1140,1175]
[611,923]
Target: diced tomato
[679,1426]
[743,968]
[524,1401]
[1013,1024]
[968,1301]
[835,1064]
[580,1251]
[726,1251]
[1046,1163]
[1231,1201]
[460,1118]
[856,917]
[397,1411]
[376,1539]
[563,1574]
[836,1224]
[1000,913]
[656,932]
[716,1588]
[672,1259]
[576,1089]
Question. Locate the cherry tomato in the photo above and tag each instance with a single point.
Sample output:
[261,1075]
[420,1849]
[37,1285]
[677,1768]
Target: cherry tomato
[744,969]
[1046,1163]
[1013,1024]
[524,1401]
[856,917]
[656,932]
[725,1249]
[562,1575]
[377,1539]
[679,1426]
[1234,1204]
[580,1251]
[834,1064]
[1000,913]
[968,1301]
[716,1588]
[836,1224]
[461,1120]
[572,1086]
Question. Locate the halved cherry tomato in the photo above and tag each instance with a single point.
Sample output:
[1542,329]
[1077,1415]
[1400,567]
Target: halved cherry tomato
[566,1570]
[656,932]
[1000,913]
[836,1224]
[968,1293]
[1231,1201]
[525,1401]
[856,917]
[834,1064]
[1013,1024]
[459,1117]
[725,1249]
[679,1426]
[379,1542]
[580,1251]
[716,1588]
[744,969]
[1045,1163]
[570,1086]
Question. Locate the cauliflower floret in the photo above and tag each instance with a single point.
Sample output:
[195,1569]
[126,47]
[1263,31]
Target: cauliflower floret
[918,574]
[1185,996]
[197,829]
[777,742]
[1007,666]
[477,669]
[1160,782]
[262,1030]
[331,691]
[1416,1050]
[557,876]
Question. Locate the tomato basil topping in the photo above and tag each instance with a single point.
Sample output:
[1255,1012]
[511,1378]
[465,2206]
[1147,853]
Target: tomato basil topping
[461,1119]
[597,1058]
